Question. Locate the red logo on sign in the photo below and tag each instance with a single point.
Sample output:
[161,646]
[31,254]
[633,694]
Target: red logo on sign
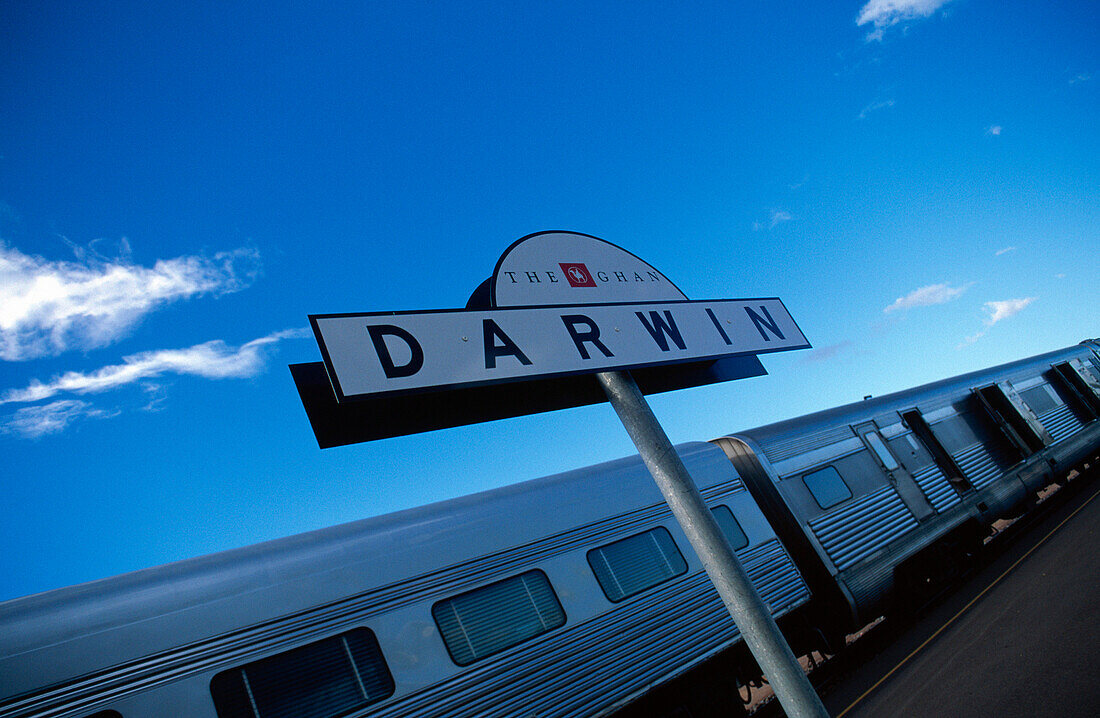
[578,275]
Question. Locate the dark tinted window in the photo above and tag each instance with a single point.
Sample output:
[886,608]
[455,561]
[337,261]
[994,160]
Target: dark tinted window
[632,565]
[827,487]
[487,620]
[956,432]
[325,679]
[728,523]
[1039,399]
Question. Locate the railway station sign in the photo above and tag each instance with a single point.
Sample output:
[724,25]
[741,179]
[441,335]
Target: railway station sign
[372,354]
[558,308]
[576,316]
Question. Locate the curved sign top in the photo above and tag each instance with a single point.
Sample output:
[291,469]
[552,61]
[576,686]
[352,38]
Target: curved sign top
[570,268]
[559,305]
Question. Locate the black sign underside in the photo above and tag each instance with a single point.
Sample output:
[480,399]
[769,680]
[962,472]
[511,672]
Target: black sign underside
[387,416]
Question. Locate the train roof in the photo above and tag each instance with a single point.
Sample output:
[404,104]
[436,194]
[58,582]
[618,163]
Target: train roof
[941,392]
[374,551]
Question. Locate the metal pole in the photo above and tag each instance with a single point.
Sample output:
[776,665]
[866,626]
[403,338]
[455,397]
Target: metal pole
[748,610]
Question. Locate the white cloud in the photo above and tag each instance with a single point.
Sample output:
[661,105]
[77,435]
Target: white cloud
[994,130]
[211,360]
[775,218]
[887,13]
[1005,250]
[48,307]
[927,296]
[970,340]
[31,422]
[997,311]
[1080,77]
[1005,309]
[881,105]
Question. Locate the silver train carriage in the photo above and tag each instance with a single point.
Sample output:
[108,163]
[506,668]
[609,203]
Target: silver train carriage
[569,595]
[878,498]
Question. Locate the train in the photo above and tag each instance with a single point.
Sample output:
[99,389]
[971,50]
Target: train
[570,595]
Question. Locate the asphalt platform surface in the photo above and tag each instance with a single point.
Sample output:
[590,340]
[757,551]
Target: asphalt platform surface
[1020,637]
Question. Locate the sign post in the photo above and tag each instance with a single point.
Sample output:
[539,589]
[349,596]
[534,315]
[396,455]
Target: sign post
[748,610]
[563,307]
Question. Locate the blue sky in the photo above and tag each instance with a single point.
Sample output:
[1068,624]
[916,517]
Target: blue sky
[181,186]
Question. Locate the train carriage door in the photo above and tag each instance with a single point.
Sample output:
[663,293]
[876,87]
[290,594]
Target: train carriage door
[1015,419]
[898,476]
[948,470]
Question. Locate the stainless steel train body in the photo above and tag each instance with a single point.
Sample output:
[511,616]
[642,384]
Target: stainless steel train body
[563,596]
[863,493]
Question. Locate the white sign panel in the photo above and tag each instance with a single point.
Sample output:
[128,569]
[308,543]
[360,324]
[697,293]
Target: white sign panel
[572,268]
[400,352]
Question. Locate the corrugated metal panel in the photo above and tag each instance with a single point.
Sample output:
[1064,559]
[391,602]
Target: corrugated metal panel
[858,530]
[726,488]
[936,487]
[788,447]
[978,466]
[870,582]
[1060,423]
[869,585]
[634,645]
[221,651]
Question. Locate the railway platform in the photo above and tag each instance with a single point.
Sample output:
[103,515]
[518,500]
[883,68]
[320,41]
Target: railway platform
[1017,638]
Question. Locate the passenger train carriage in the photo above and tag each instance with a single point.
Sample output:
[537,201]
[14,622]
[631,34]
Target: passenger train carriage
[571,595]
[561,596]
[900,487]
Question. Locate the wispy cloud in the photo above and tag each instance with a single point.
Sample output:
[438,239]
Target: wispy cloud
[970,340]
[874,106]
[882,14]
[820,354]
[999,311]
[926,296]
[994,130]
[1005,250]
[48,307]
[211,360]
[32,422]
[1080,77]
[775,218]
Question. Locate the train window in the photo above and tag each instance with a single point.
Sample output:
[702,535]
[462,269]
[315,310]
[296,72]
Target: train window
[325,679]
[728,523]
[879,446]
[827,486]
[487,620]
[1041,399]
[632,565]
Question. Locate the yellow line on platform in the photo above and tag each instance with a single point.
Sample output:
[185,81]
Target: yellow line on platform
[965,608]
